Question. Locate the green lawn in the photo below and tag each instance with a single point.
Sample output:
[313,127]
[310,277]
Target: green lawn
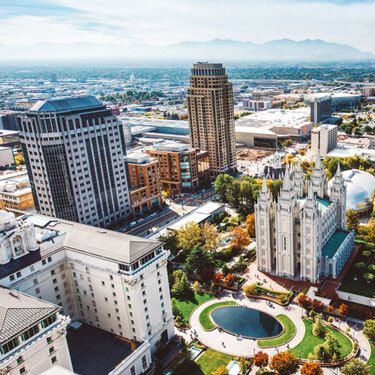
[210,360]
[371,361]
[286,336]
[187,306]
[307,345]
[204,317]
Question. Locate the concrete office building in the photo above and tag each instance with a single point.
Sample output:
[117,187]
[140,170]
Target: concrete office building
[144,182]
[32,335]
[74,150]
[324,139]
[211,116]
[320,107]
[107,280]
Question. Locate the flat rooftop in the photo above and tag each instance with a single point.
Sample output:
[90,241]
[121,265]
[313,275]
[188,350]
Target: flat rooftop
[94,351]
[272,118]
[333,244]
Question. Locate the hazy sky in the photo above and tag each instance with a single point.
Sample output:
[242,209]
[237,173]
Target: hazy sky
[169,21]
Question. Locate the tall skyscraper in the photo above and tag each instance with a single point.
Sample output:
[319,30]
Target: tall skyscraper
[74,150]
[211,119]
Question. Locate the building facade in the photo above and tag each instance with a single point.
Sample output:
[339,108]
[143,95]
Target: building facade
[182,168]
[108,280]
[320,107]
[303,234]
[211,116]
[74,151]
[324,139]
[144,181]
[33,335]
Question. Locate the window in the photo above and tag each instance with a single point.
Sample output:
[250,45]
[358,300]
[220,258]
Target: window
[48,321]
[51,350]
[19,360]
[49,340]
[11,277]
[53,359]
[30,332]
[22,370]
[144,362]
[132,370]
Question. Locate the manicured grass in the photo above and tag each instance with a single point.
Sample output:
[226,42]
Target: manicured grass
[307,345]
[188,305]
[371,361]
[204,317]
[286,336]
[210,360]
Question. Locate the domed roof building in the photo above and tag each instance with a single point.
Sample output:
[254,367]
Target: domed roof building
[360,187]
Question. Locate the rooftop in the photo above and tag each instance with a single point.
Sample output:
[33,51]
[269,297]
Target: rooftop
[334,243]
[103,243]
[19,311]
[66,104]
[94,351]
[273,118]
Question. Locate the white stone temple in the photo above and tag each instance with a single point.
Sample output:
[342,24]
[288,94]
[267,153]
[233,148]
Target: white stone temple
[303,234]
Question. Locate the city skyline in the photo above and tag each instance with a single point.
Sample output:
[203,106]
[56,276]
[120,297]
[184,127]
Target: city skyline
[165,22]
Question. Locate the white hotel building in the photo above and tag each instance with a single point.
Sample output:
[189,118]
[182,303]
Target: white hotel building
[109,280]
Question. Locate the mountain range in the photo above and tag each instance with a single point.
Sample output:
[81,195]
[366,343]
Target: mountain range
[216,49]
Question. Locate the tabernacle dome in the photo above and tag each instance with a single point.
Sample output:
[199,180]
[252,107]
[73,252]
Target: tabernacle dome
[360,187]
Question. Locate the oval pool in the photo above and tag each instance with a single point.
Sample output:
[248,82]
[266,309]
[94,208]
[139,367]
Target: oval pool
[246,322]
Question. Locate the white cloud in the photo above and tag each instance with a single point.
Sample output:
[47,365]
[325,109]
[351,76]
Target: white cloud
[171,21]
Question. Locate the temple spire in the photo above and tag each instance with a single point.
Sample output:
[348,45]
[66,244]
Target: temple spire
[264,186]
[287,185]
[338,170]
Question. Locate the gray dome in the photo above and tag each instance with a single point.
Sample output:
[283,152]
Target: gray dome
[360,187]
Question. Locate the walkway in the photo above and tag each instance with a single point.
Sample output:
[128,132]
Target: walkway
[246,347]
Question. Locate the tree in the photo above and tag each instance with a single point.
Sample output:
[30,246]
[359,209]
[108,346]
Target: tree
[343,309]
[229,279]
[201,263]
[360,265]
[352,220]
[180,287]
[240,238]
[309,368]
[189,236]
[196,286]
[368,231]
[369,329]
[222,370]
[19,159]
[210,236]
[250,225]
[317,305]
[284,363]
[222,183]
[357,367]
[261,359]
[318,328]
[170,242]
[303,300]
[331,346]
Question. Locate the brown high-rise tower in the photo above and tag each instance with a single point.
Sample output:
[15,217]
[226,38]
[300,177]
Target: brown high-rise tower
[210,105]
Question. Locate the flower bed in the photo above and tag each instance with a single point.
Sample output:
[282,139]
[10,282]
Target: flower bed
[256,290]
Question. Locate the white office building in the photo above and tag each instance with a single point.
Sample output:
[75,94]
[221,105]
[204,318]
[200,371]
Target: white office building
[32,335]
[108,280]
[323,139]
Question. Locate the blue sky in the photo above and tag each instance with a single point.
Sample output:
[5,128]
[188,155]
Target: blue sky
[171,21]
